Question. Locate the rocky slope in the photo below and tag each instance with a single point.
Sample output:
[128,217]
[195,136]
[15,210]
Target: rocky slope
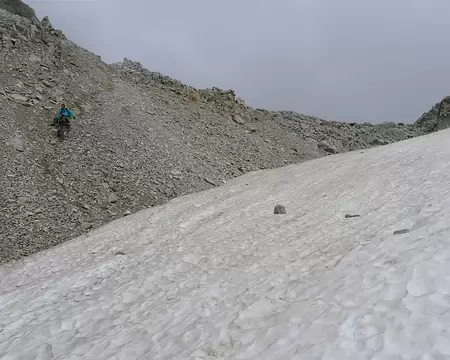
[438,118]
[18,7]
[142,138]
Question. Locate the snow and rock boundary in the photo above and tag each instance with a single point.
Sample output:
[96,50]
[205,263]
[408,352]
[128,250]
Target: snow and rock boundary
[218,275]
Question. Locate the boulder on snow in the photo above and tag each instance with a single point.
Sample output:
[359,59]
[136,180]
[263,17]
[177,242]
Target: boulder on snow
[279,209]
[400,232]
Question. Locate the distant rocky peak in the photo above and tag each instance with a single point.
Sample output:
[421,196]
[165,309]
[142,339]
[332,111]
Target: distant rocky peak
[18,7]
[437,118]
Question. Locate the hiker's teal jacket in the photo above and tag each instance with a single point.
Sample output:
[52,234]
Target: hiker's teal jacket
[66,113]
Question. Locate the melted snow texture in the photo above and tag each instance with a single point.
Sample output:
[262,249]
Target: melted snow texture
[217,275]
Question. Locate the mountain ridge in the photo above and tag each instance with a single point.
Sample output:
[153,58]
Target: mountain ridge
[142,138]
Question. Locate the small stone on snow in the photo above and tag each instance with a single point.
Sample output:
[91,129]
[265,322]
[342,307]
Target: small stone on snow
[279,209]
[400,232]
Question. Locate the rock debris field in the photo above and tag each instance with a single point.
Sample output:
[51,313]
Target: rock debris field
[142,138]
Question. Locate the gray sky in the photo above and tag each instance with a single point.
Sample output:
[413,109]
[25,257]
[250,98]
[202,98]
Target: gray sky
[347,60]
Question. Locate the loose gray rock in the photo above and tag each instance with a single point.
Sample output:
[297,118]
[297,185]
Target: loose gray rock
[127,213]
[237,119]
[377,141]
[17,143]
[45,22]
[209,181]
[401,232]
[34,58]
[279,209]
[327,147]
[87,225]
[18,97]
[176,172]
[113,198]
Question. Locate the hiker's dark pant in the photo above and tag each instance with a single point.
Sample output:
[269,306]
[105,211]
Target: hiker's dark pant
[61,120]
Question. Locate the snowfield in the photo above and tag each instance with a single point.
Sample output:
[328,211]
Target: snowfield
[216,275]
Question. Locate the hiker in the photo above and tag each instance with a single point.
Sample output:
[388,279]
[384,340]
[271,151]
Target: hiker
[64,116]
[66,112]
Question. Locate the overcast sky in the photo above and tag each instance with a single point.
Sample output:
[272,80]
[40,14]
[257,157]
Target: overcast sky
[347,60]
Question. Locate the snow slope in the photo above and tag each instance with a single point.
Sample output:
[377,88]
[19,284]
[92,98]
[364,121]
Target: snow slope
[217,275]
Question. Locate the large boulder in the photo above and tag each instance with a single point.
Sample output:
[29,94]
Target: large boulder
[46,24]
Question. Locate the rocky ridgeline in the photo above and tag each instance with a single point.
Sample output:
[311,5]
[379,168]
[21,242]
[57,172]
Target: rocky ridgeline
[330,136]
[437,118]
[142,138]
